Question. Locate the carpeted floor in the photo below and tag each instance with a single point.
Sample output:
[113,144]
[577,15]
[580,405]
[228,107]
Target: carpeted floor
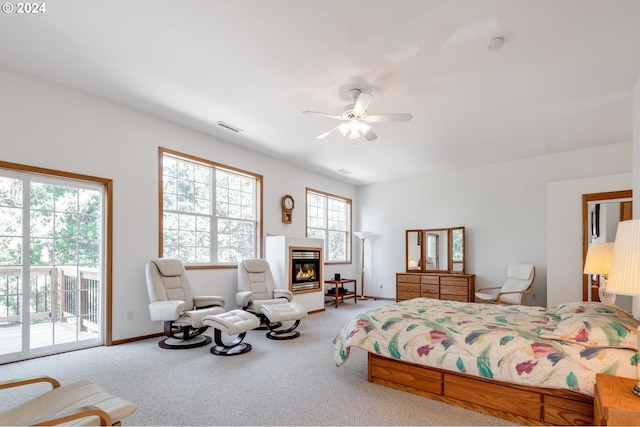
[291,382]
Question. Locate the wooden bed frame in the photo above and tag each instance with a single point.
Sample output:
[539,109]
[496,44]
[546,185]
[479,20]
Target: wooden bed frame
[517,403]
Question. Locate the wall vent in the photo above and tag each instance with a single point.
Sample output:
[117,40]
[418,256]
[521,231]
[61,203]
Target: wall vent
[229,127]
[344,171]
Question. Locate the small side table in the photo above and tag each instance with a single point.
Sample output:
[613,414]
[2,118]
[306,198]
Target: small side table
[336,295]
[614,403]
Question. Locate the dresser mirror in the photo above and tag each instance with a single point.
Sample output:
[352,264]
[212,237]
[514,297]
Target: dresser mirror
[414,250]
[457,250]
[435,250]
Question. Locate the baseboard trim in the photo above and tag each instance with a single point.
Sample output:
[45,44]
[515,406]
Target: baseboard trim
[134,339]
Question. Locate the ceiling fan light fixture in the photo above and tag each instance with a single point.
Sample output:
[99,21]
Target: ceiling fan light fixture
[344,128]
[355,119]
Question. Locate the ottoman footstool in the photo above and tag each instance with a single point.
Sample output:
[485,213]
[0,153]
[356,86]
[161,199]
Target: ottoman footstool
[276,314]
[234,322]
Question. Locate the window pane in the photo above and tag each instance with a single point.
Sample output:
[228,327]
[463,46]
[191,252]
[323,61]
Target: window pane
[66,199]
[41,196]
[315,233]
[42,251]
[10,250]
[10,221]
[41,223]
[336,245]
[66,225]
[10,192]
[89,202]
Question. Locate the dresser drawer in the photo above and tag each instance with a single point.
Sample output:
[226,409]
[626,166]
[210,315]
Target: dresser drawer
[430,289]
[407,278]
[403,295]
[430,295]
[454,280]
[454,290]
[430,280]
[409,287]
[461,298]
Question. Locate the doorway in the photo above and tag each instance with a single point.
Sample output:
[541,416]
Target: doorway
[601,213]
[53,281]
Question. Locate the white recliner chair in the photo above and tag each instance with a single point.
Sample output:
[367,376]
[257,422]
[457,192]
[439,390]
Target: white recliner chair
[173,302]
[258,294]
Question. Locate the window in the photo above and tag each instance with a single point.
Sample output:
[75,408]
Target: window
[209,212]
[329,218]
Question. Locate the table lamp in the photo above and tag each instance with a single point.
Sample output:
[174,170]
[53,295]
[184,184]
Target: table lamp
[599,262]
[624,276]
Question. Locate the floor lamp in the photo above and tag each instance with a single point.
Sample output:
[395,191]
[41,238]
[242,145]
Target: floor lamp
[362,235]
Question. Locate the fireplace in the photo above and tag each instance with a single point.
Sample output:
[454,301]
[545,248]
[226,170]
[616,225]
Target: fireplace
[278,250]
[305,269]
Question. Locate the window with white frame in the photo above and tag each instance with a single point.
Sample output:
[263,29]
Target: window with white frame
[210,213]
[329,218]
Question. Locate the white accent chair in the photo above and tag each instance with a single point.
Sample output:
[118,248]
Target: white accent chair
[79,403]
[259,294]
[430,264]
[519,282]
[173,302]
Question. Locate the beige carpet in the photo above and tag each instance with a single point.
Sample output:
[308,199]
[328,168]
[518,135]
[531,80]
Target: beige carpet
[278,383]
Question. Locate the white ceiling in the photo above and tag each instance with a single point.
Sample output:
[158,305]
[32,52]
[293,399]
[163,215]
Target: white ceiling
[561,81]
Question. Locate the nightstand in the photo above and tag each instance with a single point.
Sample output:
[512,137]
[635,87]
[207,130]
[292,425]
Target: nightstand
[614,403]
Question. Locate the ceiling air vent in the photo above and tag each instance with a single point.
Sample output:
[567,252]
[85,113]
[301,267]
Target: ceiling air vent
[229,127]
[344,171]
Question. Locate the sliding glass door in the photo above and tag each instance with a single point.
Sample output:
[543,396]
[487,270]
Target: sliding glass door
[51,268]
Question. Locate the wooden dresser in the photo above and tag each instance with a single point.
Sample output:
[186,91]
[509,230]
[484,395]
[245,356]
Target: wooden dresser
[456,287]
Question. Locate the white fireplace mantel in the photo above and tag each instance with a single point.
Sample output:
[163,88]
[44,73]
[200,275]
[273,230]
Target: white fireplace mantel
[277,254]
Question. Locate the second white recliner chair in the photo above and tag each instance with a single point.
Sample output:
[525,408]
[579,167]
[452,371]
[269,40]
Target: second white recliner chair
[259,294]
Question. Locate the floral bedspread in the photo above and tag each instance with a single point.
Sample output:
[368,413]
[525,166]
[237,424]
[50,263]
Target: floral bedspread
[499,342]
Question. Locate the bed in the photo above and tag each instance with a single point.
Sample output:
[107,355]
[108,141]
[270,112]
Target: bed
[531,365]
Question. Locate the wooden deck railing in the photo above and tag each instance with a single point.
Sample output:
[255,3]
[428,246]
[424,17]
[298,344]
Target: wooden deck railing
[66,294]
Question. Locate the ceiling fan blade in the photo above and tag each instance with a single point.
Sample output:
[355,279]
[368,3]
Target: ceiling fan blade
[317,113]
[362,103]
[370,135]
[327,133]
[398,117]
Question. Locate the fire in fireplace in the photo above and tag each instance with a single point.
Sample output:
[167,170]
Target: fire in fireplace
[305,270]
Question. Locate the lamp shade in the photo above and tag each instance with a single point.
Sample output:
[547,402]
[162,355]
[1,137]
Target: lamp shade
[598,258]
[363,235]
[624,276]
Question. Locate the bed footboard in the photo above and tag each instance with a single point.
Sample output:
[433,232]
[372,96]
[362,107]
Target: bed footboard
[521,404]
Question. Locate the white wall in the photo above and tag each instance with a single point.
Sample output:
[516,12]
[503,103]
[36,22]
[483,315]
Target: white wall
[50,126]
[502,206]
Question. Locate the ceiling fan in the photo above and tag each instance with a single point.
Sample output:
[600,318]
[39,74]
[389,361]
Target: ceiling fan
[356,120]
